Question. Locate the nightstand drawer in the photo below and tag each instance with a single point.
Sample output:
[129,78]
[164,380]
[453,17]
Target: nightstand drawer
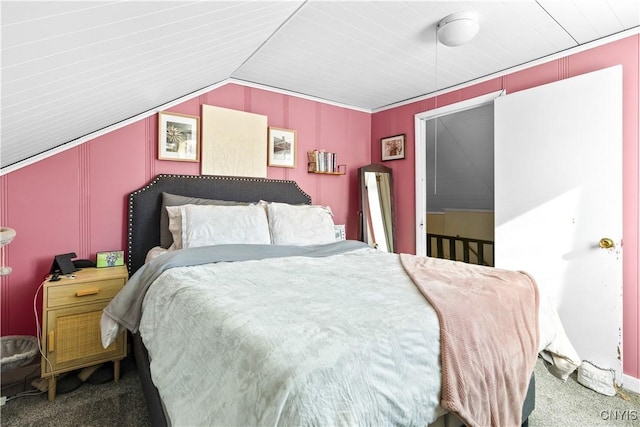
[82,293]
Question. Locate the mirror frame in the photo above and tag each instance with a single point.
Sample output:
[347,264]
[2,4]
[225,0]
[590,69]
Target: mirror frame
[378,168]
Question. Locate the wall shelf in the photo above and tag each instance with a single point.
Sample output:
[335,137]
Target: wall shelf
[324,163]
[341,172]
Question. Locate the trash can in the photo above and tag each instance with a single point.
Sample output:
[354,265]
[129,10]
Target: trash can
[17,351]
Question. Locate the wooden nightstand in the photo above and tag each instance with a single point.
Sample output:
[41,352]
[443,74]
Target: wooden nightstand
[71,311]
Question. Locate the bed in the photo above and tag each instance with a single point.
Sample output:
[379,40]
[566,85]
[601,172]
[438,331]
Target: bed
[309,333]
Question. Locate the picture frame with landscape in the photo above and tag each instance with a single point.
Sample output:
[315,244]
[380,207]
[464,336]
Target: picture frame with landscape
[282,147]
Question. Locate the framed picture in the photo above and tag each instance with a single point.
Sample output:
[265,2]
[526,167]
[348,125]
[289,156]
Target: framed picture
[393,147]
[109,259]
[178,137]
[281,148]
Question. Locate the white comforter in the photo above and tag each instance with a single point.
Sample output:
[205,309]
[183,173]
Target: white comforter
[345,339]
[289,341]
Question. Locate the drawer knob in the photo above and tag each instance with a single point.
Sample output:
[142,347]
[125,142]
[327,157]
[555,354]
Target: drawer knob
[87,292]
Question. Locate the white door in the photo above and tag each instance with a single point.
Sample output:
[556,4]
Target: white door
[558,192]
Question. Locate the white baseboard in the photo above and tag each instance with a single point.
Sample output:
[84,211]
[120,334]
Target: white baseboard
[630,383]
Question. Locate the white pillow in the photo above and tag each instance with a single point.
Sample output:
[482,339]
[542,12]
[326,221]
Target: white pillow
[204,225]
[300,224]
[168,199]
[175,225]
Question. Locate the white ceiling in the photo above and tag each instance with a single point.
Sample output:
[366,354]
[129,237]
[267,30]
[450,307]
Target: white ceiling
[70,69]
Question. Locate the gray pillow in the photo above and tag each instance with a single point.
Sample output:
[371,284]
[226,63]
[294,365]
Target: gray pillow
[168,199]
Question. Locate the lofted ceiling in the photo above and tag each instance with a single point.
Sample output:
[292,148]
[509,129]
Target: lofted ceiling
[70,69]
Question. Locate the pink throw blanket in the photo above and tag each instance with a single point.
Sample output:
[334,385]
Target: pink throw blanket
[488,336]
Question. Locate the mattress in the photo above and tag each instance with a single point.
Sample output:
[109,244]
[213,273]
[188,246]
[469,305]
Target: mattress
[342,338]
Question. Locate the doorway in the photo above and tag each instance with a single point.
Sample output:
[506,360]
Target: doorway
[454,174]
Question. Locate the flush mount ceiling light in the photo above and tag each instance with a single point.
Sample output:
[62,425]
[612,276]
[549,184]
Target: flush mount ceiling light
[458,28]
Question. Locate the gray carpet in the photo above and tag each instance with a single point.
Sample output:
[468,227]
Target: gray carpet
[122,404]
[110,404]
[570,404]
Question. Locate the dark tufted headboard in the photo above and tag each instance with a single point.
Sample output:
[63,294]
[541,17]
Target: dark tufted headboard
[145,203]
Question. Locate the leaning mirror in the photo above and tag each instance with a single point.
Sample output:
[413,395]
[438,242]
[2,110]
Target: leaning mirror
[377,222]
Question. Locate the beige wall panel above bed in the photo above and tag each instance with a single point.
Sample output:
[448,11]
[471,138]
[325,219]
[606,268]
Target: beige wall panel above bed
[234,143]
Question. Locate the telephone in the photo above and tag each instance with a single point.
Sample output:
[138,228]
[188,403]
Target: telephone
[64,264]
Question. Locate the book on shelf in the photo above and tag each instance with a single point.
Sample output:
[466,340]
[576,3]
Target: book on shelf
[322,161]
[312,160]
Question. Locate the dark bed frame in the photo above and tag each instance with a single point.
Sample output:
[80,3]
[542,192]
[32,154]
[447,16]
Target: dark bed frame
[144,234]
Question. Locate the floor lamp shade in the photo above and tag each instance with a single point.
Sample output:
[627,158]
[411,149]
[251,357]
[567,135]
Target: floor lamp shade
[6,236]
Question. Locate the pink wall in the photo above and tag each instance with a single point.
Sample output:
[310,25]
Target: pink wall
[75,201]
[625,52]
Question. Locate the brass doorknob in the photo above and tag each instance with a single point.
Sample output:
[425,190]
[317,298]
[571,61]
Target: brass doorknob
[606,243]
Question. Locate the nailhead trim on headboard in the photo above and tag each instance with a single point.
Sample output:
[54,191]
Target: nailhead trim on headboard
[162,177]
